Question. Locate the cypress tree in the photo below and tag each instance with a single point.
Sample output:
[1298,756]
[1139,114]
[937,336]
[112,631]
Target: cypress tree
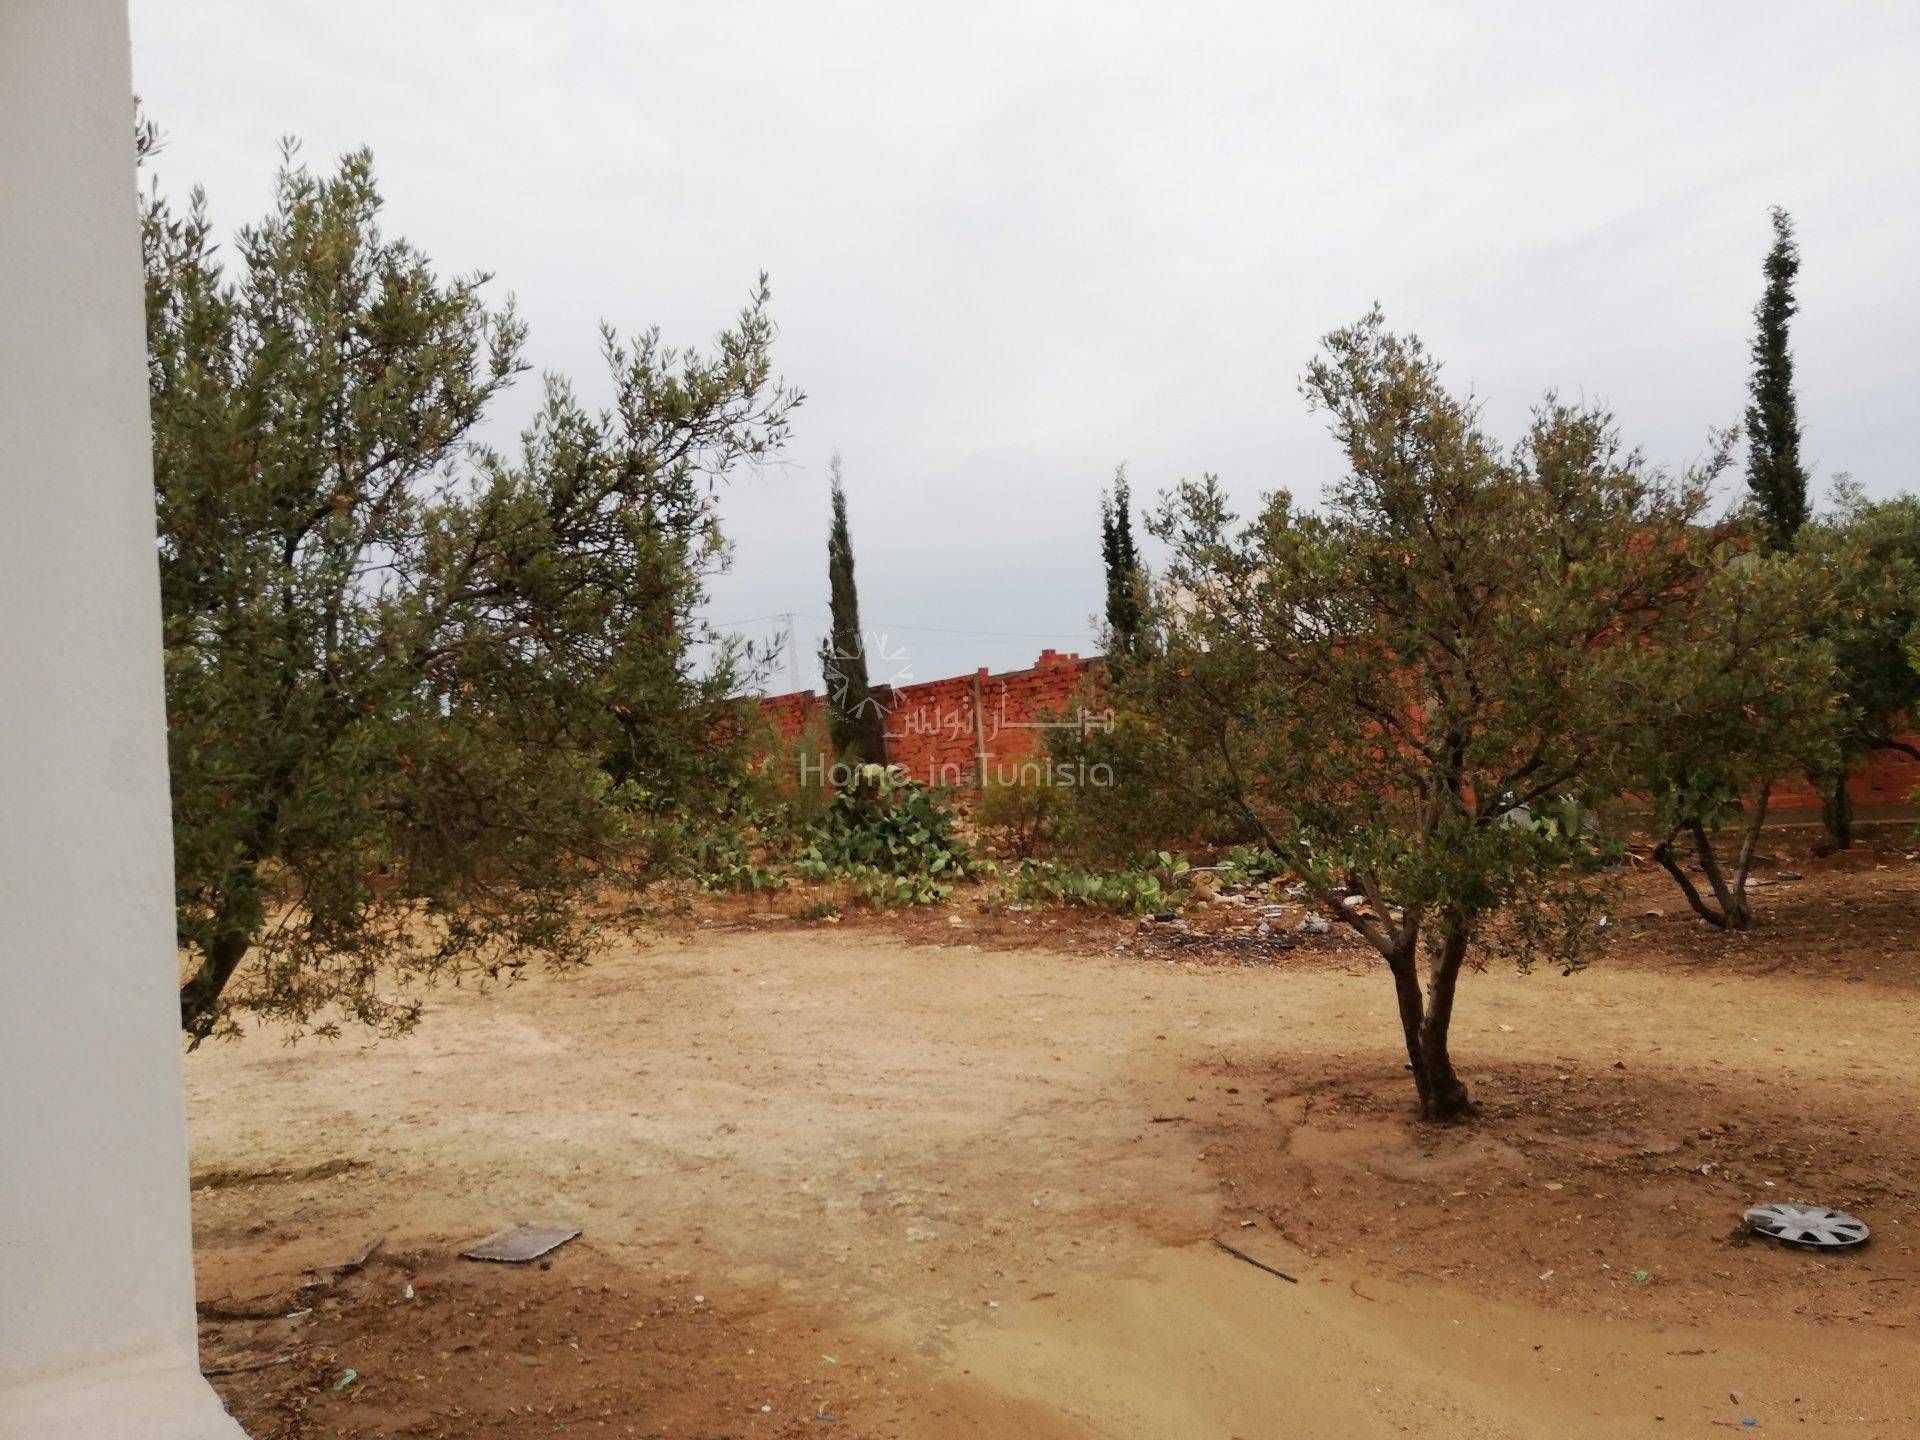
[1774,474]
[1126,581]
[1775,477]
[854,721]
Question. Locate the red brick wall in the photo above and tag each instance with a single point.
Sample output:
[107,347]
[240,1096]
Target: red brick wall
[931,734]
[932,731]
[1886,778]
[788,714]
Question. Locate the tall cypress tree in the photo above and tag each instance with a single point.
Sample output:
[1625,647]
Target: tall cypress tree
[1774,473]
[1775,477]
[1126,580]
[854,720]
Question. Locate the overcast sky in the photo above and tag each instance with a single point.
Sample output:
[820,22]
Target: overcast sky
[1015,245]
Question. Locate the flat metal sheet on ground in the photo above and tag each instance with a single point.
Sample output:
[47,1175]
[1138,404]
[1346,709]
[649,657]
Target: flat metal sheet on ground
[519,1243]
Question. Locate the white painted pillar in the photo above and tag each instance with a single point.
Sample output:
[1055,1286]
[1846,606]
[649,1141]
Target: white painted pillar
[96,1259]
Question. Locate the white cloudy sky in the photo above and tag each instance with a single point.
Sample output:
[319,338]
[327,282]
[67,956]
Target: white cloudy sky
[1015,245]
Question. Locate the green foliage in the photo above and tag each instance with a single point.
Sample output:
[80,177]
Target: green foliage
[898,842]
[1021,815]
[785,785]
[884,890]
[1142,891]
[1866,560]
[725,858]
[735,874]
[1162,775]
[1126,632]
[854,720]
[1251,865]
[422,696]
[808,760]
[1746,698]
[1381,690]
[1775,477]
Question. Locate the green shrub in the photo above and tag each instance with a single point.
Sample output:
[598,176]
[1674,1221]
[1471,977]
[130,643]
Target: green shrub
[895,840]
[1022,815]
[1251,865]
[725,855]
[1159,886]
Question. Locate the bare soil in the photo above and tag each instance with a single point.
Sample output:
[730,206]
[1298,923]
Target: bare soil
[902,1176]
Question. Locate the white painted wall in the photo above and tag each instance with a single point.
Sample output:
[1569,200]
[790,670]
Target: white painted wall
[96,1283]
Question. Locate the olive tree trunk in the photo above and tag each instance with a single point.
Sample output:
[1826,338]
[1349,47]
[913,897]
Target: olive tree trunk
[200,995]
[1836,811]
[1729,908]
[1426,1018]
[1443,1097]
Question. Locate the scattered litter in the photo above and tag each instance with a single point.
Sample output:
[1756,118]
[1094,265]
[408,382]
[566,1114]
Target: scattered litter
[355,1262]
[1641,1277]
[347,1377]
[221,1310]
[519,1243]
[1257,1264]
[1813,1227]
[1315,925]
[247,1367]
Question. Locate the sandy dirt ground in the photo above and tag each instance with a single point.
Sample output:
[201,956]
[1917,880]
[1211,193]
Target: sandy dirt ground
[943,1179]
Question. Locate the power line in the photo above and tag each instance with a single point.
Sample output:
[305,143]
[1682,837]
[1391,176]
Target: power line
[998,634]
[925,629]
[750,620]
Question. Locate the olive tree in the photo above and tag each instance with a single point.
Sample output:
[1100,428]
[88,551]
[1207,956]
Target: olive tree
[1420,691]
[423,696]
[1865,559]
[1747,700]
